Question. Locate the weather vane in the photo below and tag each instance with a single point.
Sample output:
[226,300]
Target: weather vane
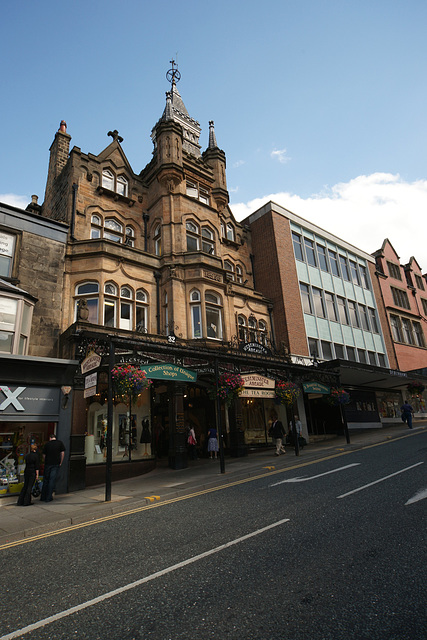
[173,75]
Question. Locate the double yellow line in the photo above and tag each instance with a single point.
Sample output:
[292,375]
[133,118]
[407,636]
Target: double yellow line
[115,516]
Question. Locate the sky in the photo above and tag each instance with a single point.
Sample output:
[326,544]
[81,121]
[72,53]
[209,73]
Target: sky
[319,105]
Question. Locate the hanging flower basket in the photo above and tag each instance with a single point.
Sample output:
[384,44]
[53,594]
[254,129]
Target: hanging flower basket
[128,382]
[337,397]
[286,392]
[415,388]
[229,387]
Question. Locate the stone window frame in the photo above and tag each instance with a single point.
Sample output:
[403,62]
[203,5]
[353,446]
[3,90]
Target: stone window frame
[203,310]
[194,189]
[115,299]
[116,183]
[16,334]
[125,234]
[11,259]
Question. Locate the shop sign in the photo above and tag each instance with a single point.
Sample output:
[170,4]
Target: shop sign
[92,361]
[24,402]
[257,393]
[257,381]
[90,385]
[316,387]
[169,372]
[255,347]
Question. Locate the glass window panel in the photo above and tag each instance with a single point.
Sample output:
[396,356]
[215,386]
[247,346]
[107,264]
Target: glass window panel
[110,289]
[6,342]
[92,304]
[319,307]
[197,321]
[192,243]
[309,251]
[372,358]
[141,318]
[109,313]
[326,350]
[339,351]
[191,189]
[334,262]
[22,349]
[364,275]
[26,319]
[204,195]
[213,323]
[418,332]
[313,347]
[95,233]
[305,297]
[323,261]
[8,308]
[141,296]
[122,186]
[296,239]
[5,266]
[87,287]
[342,311]
[113,225]
[364,317]
[351,354]
[373,318]
[125,292]
[362,355]
[108,180]
[395,329]
[211,297]
[407,331]
[125,316]
[195,295]
[353,313]
[230,232]
[382,360]
[354,273]
[330,305]
[344,268]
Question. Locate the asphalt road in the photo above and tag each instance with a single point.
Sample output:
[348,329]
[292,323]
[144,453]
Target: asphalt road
[335,551]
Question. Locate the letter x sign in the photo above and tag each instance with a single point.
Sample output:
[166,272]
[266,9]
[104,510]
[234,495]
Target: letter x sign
[12,398]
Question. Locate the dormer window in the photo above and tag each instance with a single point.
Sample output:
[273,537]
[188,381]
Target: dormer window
[230,232]
[119,185]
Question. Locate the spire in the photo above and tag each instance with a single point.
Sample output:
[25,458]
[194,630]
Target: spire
[176,111]
[212,138]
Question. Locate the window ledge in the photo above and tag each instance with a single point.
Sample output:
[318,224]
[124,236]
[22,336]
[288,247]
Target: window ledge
[115,196]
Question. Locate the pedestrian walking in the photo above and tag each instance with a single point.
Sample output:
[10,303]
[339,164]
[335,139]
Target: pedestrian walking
[407,412]
[31,474]
[277,432]
[192,443]
[53,455]
[213,446]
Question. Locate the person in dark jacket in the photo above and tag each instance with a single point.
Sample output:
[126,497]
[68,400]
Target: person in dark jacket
[407,412]
[31,474]
[53,453]
[277,432]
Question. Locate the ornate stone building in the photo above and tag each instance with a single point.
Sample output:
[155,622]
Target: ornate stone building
[158,270]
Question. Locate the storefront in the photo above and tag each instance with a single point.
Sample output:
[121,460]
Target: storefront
[30,412]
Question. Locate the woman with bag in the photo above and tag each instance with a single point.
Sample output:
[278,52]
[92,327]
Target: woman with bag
[213,446]
[31,474]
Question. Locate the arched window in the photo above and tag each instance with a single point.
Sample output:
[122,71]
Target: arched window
[239,274]
[129,237]
[122,186]
[262,332]
[229,267]
[108,179]
[113,230]
[241,322]
[193,234]
[119,185]
[213,316]
[126,308]
[90,292]
[230,232]
[96,227]
[252,329]
[110,304]
[158,240]
[208,245]
[141,311]
[196,314]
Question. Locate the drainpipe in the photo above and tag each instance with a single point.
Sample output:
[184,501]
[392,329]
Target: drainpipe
[145,217]
[73,211]
[252,259]
[273,339]
[158,277]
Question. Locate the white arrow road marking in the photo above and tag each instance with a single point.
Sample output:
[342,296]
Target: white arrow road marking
[344,495]
[105,596]
[304,479]
[420,495]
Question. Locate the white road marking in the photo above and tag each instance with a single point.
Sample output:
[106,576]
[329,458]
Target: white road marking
[110,594]
[304,479]
[349,493]
[420,495]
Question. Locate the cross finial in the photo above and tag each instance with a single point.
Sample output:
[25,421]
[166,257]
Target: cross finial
[115,135]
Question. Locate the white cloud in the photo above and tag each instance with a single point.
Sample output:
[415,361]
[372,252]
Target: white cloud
[238,164]
[15,200]
[363,211]
[280,155]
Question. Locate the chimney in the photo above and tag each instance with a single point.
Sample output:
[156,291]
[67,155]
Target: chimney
[59,152]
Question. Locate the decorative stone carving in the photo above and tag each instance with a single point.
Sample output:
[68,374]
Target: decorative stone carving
[82,310]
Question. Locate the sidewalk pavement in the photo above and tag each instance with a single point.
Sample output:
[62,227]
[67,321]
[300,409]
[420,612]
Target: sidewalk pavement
[163,483]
